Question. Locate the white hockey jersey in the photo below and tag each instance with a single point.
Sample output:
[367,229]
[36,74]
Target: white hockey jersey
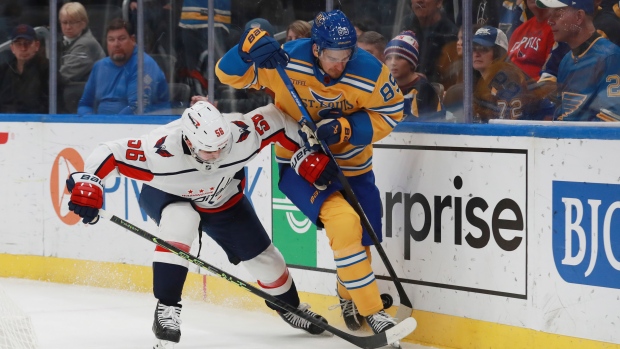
[162,160]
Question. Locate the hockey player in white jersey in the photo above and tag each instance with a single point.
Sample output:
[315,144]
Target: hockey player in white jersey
[193,175]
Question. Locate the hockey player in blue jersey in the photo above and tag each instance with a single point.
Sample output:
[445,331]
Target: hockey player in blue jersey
[194,180]
[355,102]
[588,78]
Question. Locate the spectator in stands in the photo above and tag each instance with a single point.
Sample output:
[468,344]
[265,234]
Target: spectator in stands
[588,75]
[192,48]
[506,16]
[297,30]
[502,89]
[112,87]
[366,24]
[433,30]
[484,12]
[374,43]
[421,99]
[451,61]
[159,23]
[79,49]
[606,23]
[24,78]
[531,43]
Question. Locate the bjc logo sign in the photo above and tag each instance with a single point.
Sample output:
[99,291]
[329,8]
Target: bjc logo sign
[586,242]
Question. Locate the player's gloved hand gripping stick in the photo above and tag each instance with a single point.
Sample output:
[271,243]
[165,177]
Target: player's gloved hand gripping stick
[382,339]
[406,307]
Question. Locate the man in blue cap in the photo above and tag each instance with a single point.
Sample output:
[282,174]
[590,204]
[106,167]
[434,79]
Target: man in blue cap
[24,78]
[588,77]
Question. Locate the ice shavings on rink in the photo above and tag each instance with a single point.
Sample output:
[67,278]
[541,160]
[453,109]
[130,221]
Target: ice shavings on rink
[82,317]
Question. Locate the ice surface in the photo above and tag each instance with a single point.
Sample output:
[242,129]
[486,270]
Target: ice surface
[82,317]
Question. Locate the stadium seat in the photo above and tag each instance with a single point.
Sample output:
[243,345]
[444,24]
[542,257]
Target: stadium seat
[71,94]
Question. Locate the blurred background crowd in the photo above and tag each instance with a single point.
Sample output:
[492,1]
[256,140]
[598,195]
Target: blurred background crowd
[152,56]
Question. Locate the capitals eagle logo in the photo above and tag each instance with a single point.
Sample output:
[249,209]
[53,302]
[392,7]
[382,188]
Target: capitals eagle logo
[161,148]
[243,129]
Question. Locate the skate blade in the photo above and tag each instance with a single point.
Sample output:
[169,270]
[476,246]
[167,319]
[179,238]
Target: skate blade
[160,344]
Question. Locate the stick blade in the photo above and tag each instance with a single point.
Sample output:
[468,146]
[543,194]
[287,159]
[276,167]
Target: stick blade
[401,330]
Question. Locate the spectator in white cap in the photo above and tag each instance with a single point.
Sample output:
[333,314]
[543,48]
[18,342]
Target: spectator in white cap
[401,57]
[501,91]
[588,75]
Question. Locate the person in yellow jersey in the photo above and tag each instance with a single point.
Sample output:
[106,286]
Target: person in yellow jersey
[354,102]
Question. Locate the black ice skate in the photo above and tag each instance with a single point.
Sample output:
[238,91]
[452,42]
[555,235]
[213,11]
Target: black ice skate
[381,322]
[303,324]
[351,316]
[166,325]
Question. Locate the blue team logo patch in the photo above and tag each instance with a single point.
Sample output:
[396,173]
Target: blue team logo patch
[161,148]
[586,233]
[243,130]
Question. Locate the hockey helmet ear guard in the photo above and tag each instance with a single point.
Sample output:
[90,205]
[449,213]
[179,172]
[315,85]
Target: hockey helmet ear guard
[334,31]
[206,130]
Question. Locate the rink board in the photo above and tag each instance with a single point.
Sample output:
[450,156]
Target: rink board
[489,227]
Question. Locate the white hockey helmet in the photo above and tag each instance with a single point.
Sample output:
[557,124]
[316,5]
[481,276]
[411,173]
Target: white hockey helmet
[205,131]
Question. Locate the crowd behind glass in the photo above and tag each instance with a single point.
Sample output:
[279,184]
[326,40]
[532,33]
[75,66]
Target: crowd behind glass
[516,64]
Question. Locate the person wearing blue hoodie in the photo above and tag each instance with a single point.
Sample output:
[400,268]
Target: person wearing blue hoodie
[112,87]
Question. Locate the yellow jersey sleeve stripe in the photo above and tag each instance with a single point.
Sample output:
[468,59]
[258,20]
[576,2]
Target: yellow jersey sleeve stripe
[298,61]
[300,69]
[358,84]
[361,78]
[366,164]
[389,120]
[389,109]
[350,154]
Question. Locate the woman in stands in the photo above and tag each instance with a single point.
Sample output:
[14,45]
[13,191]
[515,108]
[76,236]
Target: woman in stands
[79,49]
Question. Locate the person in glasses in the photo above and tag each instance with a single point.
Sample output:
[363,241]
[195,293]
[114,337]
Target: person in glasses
[79,49]
[355,102]
[24,77]
[502,89]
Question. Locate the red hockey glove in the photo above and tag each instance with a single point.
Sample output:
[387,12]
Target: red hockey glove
[317,168]
[86,196]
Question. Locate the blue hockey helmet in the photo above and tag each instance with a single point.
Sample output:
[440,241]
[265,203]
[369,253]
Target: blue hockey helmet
[333,31]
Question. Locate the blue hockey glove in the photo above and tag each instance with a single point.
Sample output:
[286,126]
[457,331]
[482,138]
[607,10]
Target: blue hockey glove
[86,196]
[258,47]
[334,128]
[315,167]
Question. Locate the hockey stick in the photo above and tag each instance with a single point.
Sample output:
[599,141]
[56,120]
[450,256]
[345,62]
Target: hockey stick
[406,308]
[392,335]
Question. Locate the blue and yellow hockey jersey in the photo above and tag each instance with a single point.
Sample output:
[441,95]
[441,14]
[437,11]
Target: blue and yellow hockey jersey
[589,82]
[366,92]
